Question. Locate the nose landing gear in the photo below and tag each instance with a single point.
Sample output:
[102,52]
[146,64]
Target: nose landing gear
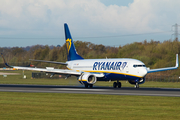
[137,85]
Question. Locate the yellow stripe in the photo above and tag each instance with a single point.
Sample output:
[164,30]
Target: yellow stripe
[110,72]
[83,80]
[114,73]
[69,68]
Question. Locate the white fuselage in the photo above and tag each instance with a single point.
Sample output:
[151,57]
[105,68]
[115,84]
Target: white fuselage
[124,66]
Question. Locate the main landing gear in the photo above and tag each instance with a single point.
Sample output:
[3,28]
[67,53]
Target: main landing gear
[88,85]
[117,84]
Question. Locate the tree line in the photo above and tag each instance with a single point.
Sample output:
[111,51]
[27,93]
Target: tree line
[154,54]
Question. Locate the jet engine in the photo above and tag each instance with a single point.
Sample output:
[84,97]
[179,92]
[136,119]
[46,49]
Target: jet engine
[139,81]
[87,78]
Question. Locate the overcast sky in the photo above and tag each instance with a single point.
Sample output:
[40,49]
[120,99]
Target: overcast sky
[108,22]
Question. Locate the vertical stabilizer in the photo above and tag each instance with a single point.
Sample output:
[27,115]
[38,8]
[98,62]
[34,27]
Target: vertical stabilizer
[71,51]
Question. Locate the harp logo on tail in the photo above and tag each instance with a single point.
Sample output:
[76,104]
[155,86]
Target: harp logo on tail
[68,44]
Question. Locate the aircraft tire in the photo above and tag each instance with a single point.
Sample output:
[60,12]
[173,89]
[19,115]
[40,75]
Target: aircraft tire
[137,85]
[86,85]
[91,85]
[114,84]
[119,84]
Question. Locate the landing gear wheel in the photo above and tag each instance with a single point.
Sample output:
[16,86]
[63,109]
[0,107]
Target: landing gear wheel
[114,84]
[91,85]
[137,85]
[86,85]
[119,84]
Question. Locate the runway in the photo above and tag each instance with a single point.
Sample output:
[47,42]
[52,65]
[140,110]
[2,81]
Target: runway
[172,92]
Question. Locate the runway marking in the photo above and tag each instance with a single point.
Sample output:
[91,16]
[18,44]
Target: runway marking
[70,89]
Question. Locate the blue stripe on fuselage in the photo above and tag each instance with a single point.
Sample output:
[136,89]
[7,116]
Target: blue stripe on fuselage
[113,76]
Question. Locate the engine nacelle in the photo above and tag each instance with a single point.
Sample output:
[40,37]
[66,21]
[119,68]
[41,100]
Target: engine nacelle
[140,81]
[87,78]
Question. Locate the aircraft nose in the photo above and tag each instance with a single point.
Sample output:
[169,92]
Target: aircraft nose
[143,72]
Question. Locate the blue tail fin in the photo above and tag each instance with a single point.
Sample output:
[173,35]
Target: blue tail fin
[71,51]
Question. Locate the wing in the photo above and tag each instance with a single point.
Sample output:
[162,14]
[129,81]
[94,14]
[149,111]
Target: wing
[56,71]
[47,70]
[164,69]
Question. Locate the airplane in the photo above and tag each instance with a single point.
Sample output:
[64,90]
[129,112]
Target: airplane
[89,71]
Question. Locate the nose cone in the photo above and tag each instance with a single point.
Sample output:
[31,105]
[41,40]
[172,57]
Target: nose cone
[143,72]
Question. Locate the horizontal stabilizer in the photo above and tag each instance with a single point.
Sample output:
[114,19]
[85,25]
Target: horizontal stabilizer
[49,62]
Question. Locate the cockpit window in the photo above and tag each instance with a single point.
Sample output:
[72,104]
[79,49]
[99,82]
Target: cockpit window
[139,66]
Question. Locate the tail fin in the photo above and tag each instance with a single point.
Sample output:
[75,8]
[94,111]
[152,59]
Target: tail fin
[71,51]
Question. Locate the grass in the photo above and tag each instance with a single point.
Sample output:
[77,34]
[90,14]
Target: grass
[86,106]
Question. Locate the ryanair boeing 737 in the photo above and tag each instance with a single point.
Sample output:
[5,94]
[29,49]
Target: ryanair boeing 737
[89,71]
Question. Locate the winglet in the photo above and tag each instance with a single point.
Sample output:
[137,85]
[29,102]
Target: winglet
[168,68]
[177,61]
[5,61]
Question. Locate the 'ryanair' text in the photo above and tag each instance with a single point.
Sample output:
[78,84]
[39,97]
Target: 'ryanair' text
[109,65]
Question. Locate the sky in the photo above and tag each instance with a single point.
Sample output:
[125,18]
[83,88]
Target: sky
[108,22]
